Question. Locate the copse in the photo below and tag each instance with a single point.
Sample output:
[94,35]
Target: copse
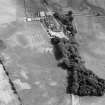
[81,81]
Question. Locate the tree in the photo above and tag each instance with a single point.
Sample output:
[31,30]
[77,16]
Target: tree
[81,81]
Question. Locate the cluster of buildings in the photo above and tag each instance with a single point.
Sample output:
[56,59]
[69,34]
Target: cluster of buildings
[38,16]
[50,24]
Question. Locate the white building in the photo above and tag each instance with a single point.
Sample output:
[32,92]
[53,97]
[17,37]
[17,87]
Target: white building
[58,34]
[42,14]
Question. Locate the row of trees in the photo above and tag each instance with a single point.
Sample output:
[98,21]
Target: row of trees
[81,81]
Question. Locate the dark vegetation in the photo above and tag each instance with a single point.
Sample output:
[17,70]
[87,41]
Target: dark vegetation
[81,81]
[66,22]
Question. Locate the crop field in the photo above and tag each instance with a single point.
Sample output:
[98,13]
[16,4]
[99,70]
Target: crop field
[30,61]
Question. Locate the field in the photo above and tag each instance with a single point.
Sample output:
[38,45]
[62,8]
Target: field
[28,55]
[29,59]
